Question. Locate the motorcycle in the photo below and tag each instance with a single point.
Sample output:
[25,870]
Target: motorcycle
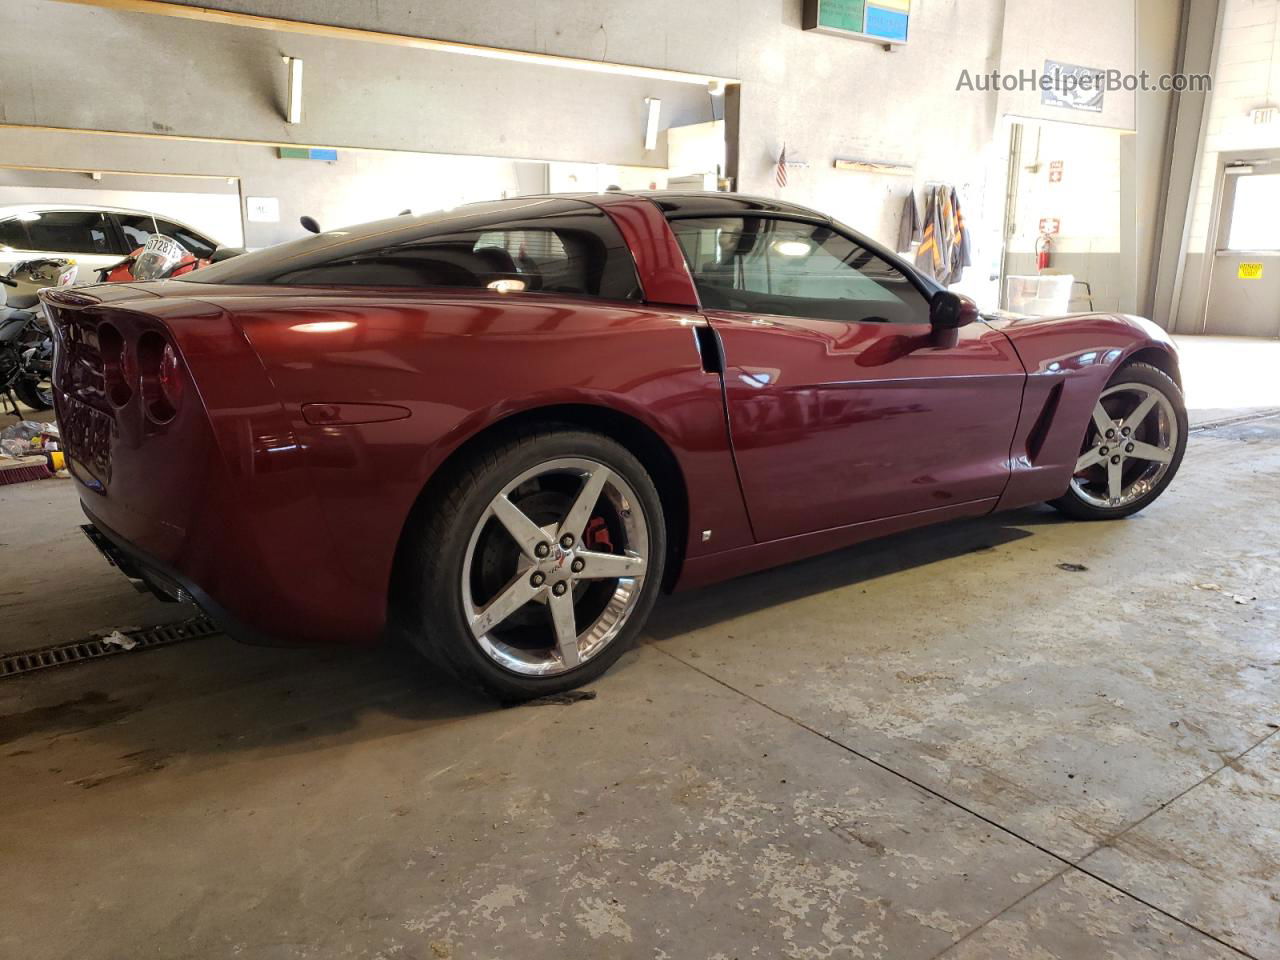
[26,340]
[161,258]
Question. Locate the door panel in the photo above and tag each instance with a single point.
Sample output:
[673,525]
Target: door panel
[1244,295]
[1244,286]
[836,423]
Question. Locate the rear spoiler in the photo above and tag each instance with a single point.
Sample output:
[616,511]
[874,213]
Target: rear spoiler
[101,294]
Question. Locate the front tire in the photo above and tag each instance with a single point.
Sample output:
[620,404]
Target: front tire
[34,395]
[1132,448]
[538,564]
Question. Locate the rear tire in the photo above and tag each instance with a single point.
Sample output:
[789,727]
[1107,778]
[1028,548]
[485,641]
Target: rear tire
[30,393]
[537,564]
[1132,448]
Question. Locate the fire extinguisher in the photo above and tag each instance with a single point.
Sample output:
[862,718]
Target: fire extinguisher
[1044,246]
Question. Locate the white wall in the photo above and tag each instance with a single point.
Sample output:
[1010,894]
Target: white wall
[1247,75]
[598,177]
[1086,33]
[696,148]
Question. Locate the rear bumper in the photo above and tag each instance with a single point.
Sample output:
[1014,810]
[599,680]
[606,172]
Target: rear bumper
[143,578]
[147,573]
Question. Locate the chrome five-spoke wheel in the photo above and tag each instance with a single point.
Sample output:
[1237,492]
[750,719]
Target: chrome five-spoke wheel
[554,567]
[1133,440]
[1132,447]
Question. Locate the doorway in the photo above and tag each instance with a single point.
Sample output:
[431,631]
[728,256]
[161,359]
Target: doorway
[1244,281]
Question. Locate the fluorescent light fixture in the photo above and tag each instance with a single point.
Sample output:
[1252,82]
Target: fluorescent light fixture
[295,89]
[507,285]
[29,216]
[651,126]
[324,326]
[791,248]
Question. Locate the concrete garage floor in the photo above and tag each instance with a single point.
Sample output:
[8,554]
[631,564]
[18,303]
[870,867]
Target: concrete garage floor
[941,744]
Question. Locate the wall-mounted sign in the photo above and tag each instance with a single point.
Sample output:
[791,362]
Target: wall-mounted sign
[308,153]
[881,21]
[1250,271]
[1049,226]
[1055,171]
[1072,86]
[262,209]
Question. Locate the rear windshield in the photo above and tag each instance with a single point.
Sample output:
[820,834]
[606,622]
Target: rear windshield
[536,245]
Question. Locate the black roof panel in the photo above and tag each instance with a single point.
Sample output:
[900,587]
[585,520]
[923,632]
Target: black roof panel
[722,204]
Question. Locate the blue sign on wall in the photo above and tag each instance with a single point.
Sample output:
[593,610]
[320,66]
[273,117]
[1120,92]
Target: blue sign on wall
[886,24]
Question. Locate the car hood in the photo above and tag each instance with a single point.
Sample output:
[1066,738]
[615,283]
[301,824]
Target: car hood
[1015,324]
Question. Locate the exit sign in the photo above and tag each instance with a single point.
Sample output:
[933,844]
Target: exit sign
[880,21]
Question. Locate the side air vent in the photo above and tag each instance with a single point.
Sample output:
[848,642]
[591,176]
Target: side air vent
[709,348]
[1036,438]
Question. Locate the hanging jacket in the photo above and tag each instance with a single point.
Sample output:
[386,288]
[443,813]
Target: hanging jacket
[933,256]
[948,234]
[909,225]
[963,255]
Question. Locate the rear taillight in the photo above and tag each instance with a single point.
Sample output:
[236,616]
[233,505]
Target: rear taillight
[162,377]
[117,374]
[171,376]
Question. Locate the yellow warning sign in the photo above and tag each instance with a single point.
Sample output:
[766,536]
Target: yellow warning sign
[1250,271]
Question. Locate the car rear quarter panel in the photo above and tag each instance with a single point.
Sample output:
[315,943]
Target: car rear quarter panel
[1069,361]
[445,366]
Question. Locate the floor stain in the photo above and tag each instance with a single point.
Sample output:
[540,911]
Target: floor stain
[93,709]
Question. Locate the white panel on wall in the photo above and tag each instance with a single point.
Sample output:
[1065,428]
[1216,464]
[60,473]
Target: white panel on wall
[1099,34]
[696,148]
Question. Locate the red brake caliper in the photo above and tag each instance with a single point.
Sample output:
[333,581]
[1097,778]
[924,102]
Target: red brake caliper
[597,535]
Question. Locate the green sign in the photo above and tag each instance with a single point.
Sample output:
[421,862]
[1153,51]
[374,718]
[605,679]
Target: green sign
[881,21]
[842,14]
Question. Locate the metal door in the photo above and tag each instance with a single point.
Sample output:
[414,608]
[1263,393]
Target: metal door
[1244,284]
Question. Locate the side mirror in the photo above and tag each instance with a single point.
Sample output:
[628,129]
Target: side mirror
[950,311]
[309,223]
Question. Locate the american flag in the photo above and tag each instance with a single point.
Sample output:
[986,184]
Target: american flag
[781,175]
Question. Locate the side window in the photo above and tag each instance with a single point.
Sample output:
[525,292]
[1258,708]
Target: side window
[202,247]
[71,231]
[137,228]
[579,252]
[788,268]
[13,234]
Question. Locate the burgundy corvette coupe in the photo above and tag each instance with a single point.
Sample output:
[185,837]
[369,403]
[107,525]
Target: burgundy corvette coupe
[501,430]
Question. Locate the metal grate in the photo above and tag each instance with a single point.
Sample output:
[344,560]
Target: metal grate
[64,654]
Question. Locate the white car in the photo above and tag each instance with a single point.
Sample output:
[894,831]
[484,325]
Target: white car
[94,237]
